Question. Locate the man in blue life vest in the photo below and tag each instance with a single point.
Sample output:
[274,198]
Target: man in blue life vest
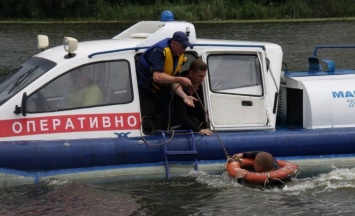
[159,66]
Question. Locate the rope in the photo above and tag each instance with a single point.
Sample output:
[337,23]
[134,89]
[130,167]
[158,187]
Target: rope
[272,74]
[168,130]
[214,129]
[154,131]
[299,172]
[267,181]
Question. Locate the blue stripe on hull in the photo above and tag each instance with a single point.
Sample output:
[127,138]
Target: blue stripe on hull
[62,154]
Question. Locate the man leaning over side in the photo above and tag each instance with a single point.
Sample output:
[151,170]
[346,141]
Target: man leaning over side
[159,66]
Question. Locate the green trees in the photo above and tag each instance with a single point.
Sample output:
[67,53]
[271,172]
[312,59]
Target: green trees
[53,9]
[192,10]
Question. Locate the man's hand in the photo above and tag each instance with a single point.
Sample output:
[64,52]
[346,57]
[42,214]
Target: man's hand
[189,100]
[241,173]
[237,156]
[184,81]
[205,132]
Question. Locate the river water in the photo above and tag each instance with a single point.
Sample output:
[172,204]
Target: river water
[195,193]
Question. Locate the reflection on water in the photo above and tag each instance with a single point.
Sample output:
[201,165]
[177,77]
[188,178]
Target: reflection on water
[194,194]
[67,199]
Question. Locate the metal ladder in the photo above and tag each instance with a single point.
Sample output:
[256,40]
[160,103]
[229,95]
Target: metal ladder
[191,151]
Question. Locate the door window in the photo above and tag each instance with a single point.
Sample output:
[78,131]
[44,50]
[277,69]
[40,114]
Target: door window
[235,74]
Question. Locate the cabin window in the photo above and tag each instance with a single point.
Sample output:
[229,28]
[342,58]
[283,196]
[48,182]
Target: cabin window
[98,84]
[235,74]
[20,77]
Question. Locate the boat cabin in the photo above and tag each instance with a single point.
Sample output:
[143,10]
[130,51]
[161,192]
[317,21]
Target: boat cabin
[240,91]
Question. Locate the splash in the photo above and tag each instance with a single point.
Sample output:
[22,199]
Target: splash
[56,182]
[336,179]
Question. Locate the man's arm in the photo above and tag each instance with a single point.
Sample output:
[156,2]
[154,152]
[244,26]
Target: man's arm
[157,59]
[250,155]
[181,113]
[177,89]
[160,77]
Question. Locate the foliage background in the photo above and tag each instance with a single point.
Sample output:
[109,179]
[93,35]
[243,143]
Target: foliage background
[190,10]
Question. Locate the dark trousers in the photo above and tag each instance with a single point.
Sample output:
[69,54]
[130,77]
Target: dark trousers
[161,100]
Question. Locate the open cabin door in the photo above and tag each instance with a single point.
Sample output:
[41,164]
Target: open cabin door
[235,89]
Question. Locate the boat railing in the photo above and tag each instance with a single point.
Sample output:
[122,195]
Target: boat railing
[331,47]
[194,45]
[314,64]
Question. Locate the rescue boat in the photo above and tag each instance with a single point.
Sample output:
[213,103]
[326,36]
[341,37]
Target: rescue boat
[252,101]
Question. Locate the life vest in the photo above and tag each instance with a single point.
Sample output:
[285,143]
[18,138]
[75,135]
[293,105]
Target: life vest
[170,67]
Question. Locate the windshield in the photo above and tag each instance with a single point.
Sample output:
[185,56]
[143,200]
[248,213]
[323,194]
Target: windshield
[20,77]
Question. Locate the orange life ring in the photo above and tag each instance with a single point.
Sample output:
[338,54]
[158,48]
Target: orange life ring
[286,170]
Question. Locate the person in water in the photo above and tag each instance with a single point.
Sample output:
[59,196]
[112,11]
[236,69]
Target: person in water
[263,162]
